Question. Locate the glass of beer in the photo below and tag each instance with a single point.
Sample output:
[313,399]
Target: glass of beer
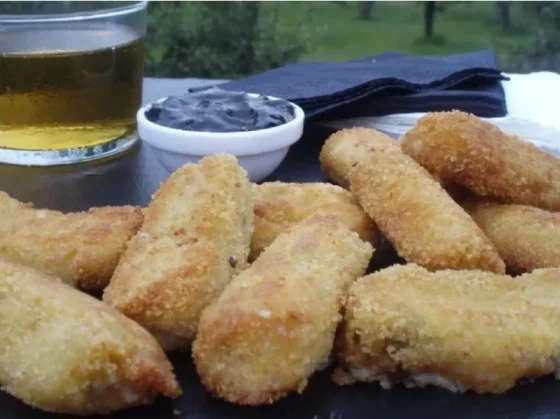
[70,80]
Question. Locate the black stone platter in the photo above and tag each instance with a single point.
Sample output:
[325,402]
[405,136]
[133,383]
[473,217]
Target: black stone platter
[131,179]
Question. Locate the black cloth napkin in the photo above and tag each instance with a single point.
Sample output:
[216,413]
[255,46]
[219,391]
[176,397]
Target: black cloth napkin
[387,83]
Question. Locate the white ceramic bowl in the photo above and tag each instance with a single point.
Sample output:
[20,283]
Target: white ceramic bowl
[259,152]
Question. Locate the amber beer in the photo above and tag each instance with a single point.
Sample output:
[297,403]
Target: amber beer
[68,88]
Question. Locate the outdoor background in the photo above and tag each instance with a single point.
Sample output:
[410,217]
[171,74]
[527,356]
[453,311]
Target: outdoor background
[234,39]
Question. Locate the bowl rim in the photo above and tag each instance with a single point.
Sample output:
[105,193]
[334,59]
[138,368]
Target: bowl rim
[106,12]
[241,141]
[298,113]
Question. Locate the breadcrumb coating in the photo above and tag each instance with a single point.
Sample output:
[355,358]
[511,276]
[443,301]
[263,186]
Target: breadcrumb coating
[463,148]
[418,217]
[527,238]
[274,324]
[81,248]
[64,351]
[279,206]
[349,146]
[196,235]
[462,330]
[346,148]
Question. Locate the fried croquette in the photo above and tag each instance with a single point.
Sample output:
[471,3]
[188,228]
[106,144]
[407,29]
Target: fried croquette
[278,206]
[64,351]
[81,248]
[527,238]
[347,147]
[460,330]
[474,153]
[274,324]
[418,217]
[196,235]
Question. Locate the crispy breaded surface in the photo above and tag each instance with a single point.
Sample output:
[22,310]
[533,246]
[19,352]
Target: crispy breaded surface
[164,285]
[347,147]
[475,153]
[211,200]
[278,206]
[66,352]
[418,217]
[274,324]
[526,237]
[461,330]
[81,248]
[196,235]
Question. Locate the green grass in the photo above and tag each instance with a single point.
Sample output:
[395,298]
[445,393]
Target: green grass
[333,31]
[337,33]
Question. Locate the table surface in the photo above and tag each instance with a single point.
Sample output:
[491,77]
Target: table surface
[131,179]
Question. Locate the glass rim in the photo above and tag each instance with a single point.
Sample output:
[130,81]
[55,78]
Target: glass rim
[108,12]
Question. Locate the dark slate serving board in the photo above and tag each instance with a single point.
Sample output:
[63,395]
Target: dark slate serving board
[131,179]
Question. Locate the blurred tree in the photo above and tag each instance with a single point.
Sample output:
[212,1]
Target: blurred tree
[503,15]
[544,53]
[218,40]
[12,7]
[535,7]
[429,15]
[366,7]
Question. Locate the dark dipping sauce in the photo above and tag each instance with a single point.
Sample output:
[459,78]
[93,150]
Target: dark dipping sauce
[217,110]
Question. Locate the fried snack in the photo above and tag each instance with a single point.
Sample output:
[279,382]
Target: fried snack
[460,330]
[418,217]
[278,206]
[347,147]
[274,324]
[196,235]
[66,352]
[81,248]
[476,154]
[527,238]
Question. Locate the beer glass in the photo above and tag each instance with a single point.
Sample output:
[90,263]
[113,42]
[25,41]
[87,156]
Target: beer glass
[70,80]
